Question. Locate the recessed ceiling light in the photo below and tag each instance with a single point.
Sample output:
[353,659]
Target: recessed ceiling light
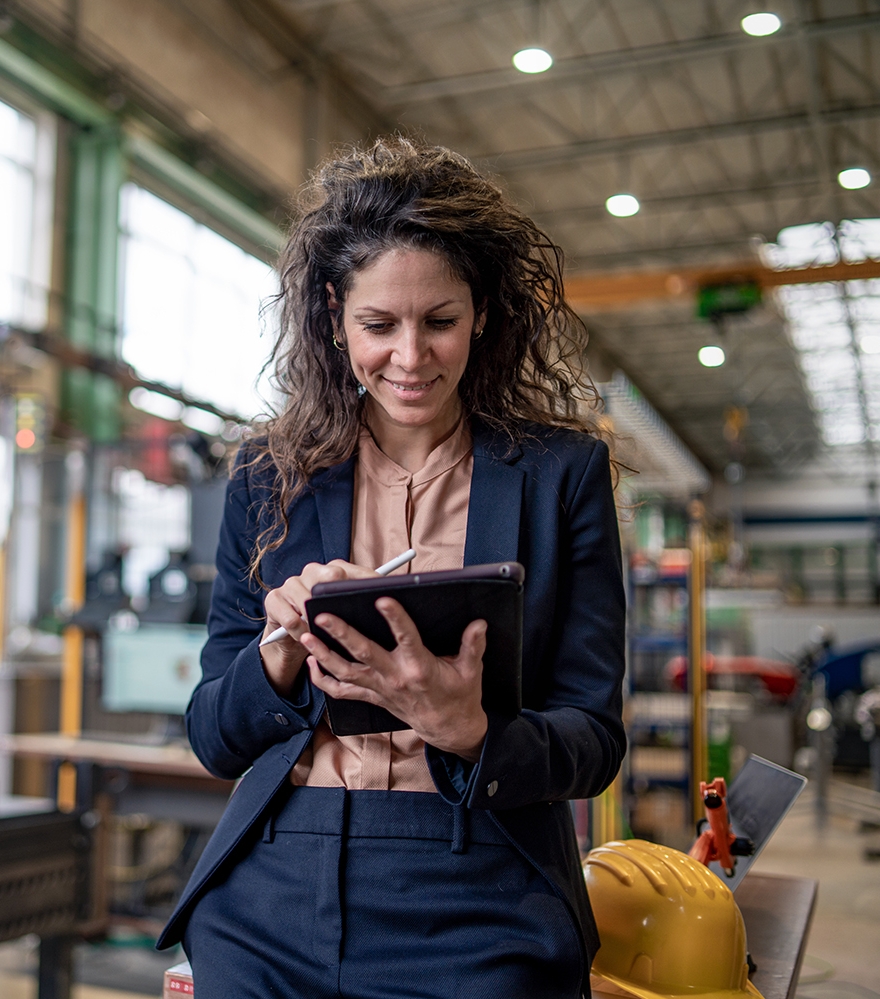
[760,24]
[870,344]
[711,357]
[622,205]
[854,178]
[532,60]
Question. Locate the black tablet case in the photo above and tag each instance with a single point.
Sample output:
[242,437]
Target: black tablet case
[442,604]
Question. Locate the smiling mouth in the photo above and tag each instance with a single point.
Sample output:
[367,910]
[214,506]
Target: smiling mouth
[412,388]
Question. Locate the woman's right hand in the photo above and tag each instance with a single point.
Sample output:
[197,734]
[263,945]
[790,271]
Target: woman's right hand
[285,607]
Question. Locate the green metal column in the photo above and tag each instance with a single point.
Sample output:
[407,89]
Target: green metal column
[91,400]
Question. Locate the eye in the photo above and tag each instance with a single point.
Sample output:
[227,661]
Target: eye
[443,323]
[377,327]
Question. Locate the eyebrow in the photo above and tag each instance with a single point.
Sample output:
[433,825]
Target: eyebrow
[434,308]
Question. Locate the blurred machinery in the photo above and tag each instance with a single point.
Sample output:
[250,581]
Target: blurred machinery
[53,880]
[835,680]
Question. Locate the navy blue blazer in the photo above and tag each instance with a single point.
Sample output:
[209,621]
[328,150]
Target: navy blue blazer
[548,504]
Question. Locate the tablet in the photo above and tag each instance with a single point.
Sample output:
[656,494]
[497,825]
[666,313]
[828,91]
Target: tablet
[758,799]
[442,604]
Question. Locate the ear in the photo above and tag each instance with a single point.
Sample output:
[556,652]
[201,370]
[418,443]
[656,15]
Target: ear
[482,315]
[333,303]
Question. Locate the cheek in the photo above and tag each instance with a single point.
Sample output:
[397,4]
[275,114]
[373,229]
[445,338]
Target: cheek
[360,356]
[460,355]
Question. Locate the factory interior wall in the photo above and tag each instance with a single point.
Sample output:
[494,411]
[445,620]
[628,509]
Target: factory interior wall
[216,78]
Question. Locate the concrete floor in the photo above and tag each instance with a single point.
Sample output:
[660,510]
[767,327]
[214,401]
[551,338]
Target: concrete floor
[103,971]
[843,951]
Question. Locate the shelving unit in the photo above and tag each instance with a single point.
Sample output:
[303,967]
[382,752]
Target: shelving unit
[657,719]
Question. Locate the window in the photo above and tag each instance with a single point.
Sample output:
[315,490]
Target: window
[27,155]
[835,327]
[153,520]
[191,304]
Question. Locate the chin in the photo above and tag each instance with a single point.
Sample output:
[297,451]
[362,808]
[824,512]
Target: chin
[410,419]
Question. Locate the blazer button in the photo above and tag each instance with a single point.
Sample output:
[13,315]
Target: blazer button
[492,788]
[281,719]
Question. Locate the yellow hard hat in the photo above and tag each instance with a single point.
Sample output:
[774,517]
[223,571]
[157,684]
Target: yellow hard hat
[668,926]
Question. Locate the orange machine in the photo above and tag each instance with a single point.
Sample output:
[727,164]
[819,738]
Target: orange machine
[715,839]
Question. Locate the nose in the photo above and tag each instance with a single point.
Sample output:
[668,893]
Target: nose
[411,347]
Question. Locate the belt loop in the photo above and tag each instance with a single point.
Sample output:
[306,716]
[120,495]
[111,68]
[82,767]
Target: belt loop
[269,828]
[275,808]
[345,813]
[459,828]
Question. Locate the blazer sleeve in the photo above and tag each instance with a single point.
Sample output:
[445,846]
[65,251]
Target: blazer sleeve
[234,714]
[571,744]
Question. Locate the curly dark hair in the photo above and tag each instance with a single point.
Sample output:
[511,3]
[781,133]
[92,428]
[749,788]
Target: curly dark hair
[529,365]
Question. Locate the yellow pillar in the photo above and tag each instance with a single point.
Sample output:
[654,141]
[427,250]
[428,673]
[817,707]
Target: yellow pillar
[2,599]
[606,814]
[75,593]
[699,762]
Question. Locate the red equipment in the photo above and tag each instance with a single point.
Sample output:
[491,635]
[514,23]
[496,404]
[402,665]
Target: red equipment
[779,679]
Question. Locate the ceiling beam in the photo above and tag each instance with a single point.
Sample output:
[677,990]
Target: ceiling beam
[58,346]
[278,27]
[537,159]
[418,19]
[502,84]
[716,197]
[598,292]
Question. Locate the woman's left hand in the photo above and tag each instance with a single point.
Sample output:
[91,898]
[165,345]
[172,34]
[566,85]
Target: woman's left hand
[439,697]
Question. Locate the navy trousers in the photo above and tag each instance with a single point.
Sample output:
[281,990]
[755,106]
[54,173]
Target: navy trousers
[382,895]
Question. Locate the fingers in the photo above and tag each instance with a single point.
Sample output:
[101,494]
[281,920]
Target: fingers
[407,637]
[340,689]
[350,570]
[473,642]
[403,629]
[285,604]
[337,676]
[363,651]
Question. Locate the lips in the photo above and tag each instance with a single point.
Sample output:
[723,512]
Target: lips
[401,387]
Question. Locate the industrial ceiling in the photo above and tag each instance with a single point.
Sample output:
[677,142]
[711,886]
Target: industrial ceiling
[724,138]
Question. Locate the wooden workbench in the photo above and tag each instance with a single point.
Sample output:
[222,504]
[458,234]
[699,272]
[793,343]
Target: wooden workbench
[165,781]
[777,911]
[173,759]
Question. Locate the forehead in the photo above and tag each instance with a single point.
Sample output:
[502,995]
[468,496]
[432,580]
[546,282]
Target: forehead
[407,270]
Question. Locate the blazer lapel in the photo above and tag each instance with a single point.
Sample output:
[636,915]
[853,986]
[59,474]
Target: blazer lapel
[334,496]
[495,503]
[493,514]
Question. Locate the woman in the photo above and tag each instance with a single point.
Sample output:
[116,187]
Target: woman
[429,367]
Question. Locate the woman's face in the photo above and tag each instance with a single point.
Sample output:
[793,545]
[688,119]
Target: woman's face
[407,325]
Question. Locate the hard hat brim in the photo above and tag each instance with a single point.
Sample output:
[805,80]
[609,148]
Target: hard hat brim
[622,986]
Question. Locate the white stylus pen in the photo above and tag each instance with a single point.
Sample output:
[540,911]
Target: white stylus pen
[383,570]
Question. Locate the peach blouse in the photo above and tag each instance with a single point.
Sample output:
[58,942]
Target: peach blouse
[394,510]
